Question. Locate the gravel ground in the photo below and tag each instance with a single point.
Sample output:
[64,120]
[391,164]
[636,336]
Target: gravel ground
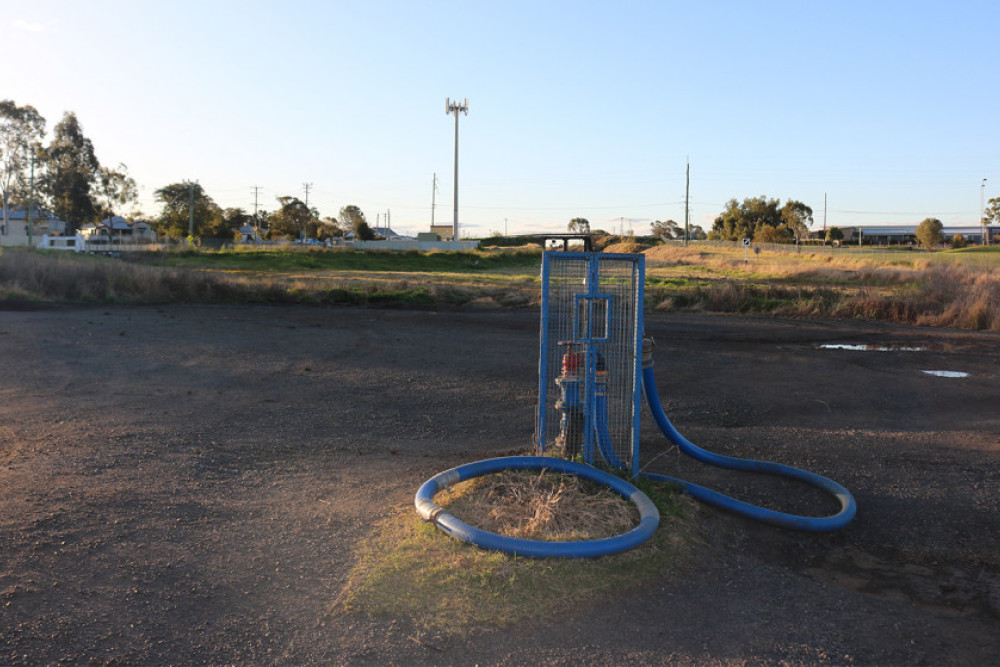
[187,485]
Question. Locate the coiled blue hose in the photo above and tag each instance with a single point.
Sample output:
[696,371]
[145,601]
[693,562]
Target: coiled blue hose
[848,508]
[649,516]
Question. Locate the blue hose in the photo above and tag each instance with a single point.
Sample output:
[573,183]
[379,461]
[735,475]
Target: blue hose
[604,444]
[848,508]
[649,516]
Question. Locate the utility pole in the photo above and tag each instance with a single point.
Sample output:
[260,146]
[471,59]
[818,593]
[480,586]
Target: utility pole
[256,222]
[306,187]
[687,197]
[31,200]
[824,216]
[505,227]
[190,185]
[434,189]
[982,212]
[449,108]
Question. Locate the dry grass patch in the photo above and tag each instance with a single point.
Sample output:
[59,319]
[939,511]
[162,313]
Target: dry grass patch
[411,570]
[541,506]
[628,246]
[945,296]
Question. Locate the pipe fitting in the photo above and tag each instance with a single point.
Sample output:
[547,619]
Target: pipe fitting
[647,351]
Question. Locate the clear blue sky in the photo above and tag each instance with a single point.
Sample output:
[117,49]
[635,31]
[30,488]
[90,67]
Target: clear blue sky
[576,108]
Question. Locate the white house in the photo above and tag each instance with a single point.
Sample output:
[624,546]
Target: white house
[16,232]
[116,230]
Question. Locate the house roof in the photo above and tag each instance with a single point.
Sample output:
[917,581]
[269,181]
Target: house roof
[21,213]
[378,231]
[116,222]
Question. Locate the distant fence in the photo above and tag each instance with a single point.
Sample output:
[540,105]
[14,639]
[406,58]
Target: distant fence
[453,246]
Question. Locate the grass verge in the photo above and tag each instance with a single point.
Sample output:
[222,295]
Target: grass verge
[947,289]
[408,569]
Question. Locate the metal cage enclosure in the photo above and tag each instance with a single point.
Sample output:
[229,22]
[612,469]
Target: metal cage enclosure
[589,366]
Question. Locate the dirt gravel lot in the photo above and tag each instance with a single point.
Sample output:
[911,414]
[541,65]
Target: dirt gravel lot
[187,485]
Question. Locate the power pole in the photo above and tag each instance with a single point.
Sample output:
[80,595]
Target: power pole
[982,213]
[449,108]
[434,189]
[31,200]
[256,222]
[190,185]
[306,187]
[687,196]
[824,217]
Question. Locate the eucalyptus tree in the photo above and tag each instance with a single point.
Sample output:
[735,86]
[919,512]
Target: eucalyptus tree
[188,210]
[666,230]
[71,173]
[797,217]
[115,188]
[351,217]
[293,219]
[21,131]
[744,220]
[992,212]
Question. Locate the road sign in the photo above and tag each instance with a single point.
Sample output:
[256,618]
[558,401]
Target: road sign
[746,243]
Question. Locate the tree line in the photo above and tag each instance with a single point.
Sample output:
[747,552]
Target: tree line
[65,177]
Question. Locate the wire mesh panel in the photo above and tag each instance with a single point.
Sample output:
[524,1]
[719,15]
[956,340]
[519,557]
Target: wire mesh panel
[589,366]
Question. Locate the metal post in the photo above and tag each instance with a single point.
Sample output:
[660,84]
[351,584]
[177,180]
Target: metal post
[31,201]
[454,231]
[982,213]
[687,194]
[455,107]
[190,210]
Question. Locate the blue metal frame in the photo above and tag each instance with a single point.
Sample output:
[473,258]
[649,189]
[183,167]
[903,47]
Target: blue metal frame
[640,307]
[541,417]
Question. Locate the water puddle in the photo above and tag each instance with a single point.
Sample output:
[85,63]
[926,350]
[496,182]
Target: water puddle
[864,347]
[948,374]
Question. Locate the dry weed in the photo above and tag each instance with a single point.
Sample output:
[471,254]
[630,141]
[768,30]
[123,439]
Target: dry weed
[543,506]
[677,255]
